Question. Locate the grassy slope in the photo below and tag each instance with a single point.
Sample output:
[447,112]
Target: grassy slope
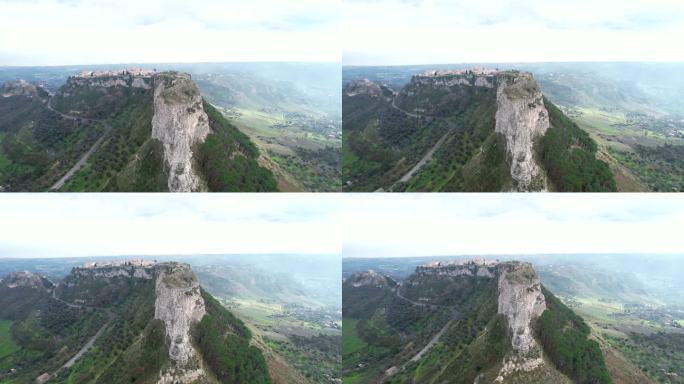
[350,338]
[619,139]
[7,345]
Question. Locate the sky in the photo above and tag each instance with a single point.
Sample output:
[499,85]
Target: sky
[401,225]
[404,32]
[72,32]
[63,225]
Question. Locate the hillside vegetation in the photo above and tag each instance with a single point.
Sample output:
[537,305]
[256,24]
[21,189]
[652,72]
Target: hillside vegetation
[565,338]
[37,145]
[447,131]
[224,343]
[113,124]
[568,155]
[227,158]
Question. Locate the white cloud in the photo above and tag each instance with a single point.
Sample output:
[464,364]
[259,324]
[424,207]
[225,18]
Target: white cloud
[385,32]
[48,32]
[54,225]
[471,224]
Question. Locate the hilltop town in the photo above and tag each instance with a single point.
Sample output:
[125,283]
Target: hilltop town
[452,72]
[120,263]
[457,263]
[121,72]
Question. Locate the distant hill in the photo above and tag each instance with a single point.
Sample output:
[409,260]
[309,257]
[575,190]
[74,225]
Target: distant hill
[466,130]
[127,130]
[120,323]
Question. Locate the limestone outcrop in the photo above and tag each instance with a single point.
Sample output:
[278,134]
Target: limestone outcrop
[18,88]
[521,118]
[119,80]
[521,302]
[23,279]
[368,278]
[180,306]
[179,123]
[363,87]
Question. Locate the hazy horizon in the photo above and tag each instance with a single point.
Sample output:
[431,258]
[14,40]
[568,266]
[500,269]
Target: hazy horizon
[410,32]
[67,32]
[516,62]
[91,225]
[511,224]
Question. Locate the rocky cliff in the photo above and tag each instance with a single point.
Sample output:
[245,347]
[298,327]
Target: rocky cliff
[362,87]
[368,278]
[521,301]
[25,279]
[521,118]
[179,123]
[180,306]
[491,106]
[19,88]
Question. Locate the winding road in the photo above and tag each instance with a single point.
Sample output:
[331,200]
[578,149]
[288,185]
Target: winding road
[394,105]
[81,161]
[434,340]
[89,344]
[427,157]
[399,295]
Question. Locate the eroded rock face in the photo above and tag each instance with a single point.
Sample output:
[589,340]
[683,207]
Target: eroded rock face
[22,279]
[521,118]
[362,87]
[179,123]
[121,80]
[18,88]
[368,278]
[521,301]
[137,272]
[180,306]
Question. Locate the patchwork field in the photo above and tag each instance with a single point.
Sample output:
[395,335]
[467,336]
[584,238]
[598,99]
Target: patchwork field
[644,152]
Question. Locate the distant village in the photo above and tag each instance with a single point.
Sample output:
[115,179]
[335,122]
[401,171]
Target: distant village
[456,263]
[121,72]
[451,72]
[120,263]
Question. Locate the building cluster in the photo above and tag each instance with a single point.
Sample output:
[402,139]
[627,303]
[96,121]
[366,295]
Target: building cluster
[476,261]
[120,72]
[120,263]
[470,71]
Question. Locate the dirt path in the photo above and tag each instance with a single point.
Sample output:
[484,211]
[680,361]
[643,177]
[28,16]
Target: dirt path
[108,127]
